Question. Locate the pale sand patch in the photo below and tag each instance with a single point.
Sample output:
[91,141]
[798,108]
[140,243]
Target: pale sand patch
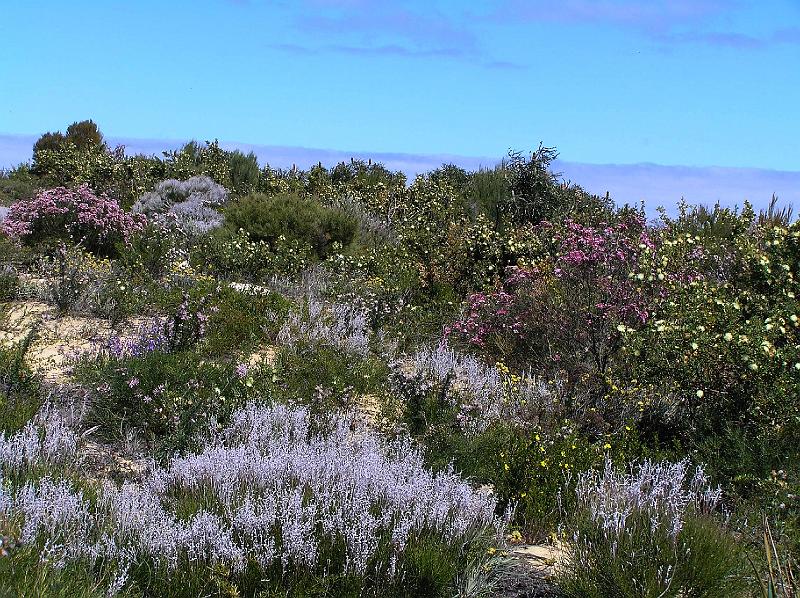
[104,461]
[543,558]
[58,338]
[264,356]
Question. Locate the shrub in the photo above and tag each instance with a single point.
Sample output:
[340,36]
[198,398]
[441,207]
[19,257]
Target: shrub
[649,533]
[479,393]
[150,250]
[167,397]
[305,220]
[722,344]
[325,377]
[9,283]
[244,172]
[567,313]
[240,321]
[20,398]
[69,273]
[360,175]
[228,255]
[74,215]
[189,205]
[49,141]
[15,184]
[352,513]
[537,194]
[84,135]
[336,324]
[195,159]
[66,165]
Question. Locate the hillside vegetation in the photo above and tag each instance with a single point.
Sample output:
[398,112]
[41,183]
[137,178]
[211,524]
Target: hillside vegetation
[223,379]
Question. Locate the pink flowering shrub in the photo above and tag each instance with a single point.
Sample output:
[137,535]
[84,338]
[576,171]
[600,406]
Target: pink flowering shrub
[77,215]
[569,310]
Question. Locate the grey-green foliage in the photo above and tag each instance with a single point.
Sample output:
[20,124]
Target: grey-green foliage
[191,205]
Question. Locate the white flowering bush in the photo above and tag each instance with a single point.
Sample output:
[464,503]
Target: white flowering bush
[191,205]
[271,499]
[482,393]
[649,532]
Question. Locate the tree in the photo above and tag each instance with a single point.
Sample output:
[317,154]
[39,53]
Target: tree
[49,141]
[84,135]
[534,188]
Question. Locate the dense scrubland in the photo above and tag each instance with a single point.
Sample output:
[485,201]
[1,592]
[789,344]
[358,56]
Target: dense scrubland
[338,382]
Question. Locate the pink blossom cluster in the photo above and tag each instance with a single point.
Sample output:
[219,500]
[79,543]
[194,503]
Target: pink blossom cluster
[601,259]
[488,314]
[78,214]
[587,286]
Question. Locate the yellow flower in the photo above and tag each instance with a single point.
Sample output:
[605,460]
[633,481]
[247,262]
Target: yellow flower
[606,446]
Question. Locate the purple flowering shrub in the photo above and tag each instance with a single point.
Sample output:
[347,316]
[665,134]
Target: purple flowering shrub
[76,215]
[567,311]
[275,501]
[650,531]
[480,394]
[336,324]
[46,440]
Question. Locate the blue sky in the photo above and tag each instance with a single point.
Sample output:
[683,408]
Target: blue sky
[687,82]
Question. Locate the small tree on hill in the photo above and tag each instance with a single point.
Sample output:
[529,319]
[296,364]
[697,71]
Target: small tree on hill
[84,135]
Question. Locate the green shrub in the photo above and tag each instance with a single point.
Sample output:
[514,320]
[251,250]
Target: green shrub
[267,219]
[226,255]
[326,377]
[150,250]
[168,398]
[16,184]
[20,397]
[24,574]
[9,284]
[239,321]
[704,561]
[68,273]
[244,172]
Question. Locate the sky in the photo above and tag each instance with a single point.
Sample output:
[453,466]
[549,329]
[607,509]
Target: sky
[708,85]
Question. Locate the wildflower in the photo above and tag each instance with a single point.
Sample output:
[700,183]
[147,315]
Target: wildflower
[699,394]
[133,382]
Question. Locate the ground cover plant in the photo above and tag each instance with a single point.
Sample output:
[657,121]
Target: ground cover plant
[223,379]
